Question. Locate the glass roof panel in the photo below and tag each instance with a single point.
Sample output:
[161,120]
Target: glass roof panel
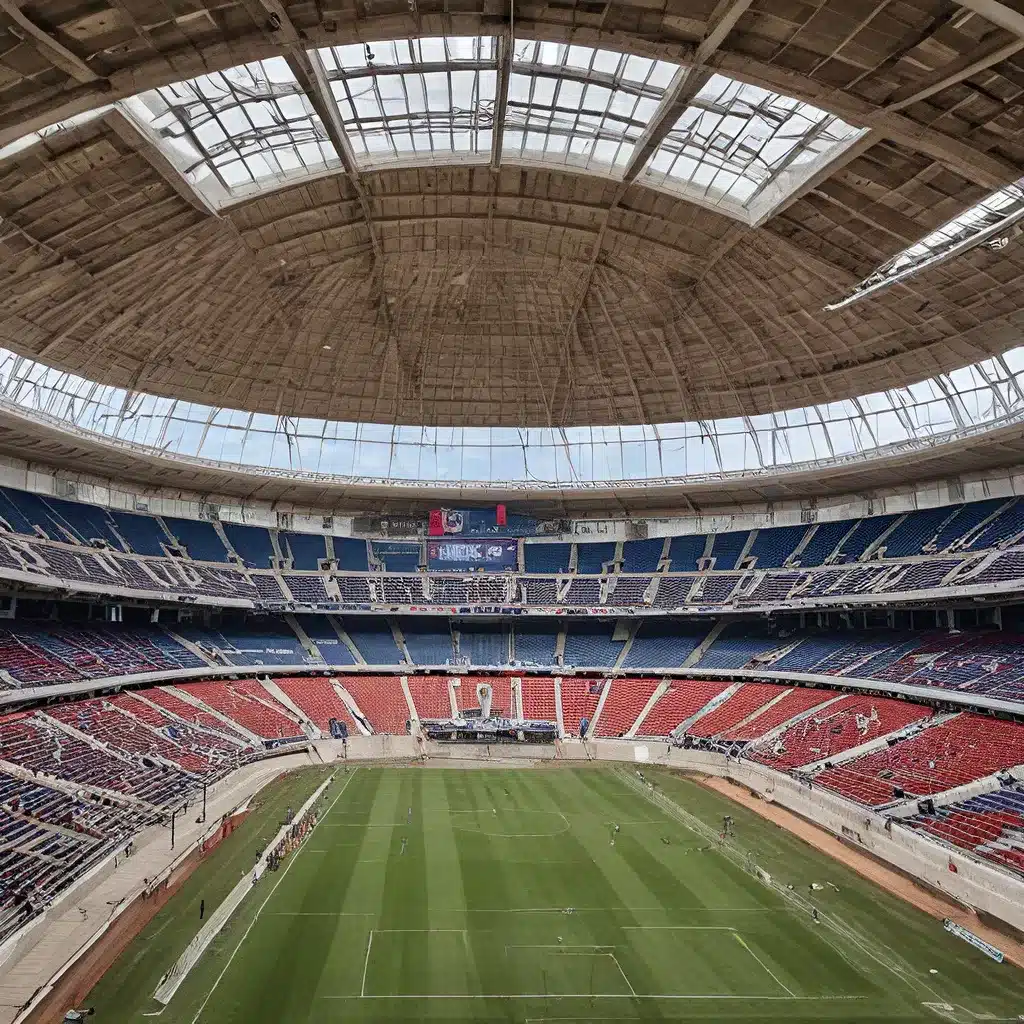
[734,140]
[237,131]
[988,222]
[579,105]
[921,415]
[415,99]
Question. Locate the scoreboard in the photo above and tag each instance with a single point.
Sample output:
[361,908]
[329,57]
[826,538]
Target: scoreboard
[494,554]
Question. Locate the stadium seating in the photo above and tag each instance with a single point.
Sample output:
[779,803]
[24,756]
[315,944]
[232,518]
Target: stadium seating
[773,715]
[990,825]
[108,723]
[730,713]
[326,639]
[381,700]
[661,644]
[428,640]
[626,699]
[351,554]
[307,550]
[593,558]
[579,701]
[374,640]
[501,693]
[547,558]
[589,644]
[305,589]
[772,547]
[216,747]
[685,697]
[252,544]
[171,701]
[250,705]
[317,698]
[842,724]
[539,698]
[430,696]
[396,557]
[641,556]
[964,748]
[482,644]
[199,539]
[727,548]
[267,642]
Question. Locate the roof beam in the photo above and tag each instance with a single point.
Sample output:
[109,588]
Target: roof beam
[985,169]
[131,135]
[506,46]
[955,72]
[51,48]
[309,71]
[688,83]
[998,13]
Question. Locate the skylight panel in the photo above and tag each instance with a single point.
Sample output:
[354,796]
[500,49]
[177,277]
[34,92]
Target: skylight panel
[986,222]
[580,105]
[415,99]
[735,141]
[238,131]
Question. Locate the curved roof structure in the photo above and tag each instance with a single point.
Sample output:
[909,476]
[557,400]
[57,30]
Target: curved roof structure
[729,220]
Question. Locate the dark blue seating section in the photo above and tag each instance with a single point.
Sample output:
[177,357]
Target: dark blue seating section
[641,556]
[395,556]
[547,558]
[351,555]
[252,544]
[199,539]
[307,550]
[67,543]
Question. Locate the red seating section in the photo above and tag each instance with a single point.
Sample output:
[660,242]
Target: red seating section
[250,705]
[965,748]
[168,699]
[501,694]
[319,701]
[430,696]
[849,722]
[745,701]
[213,745]
[105,722]
[794,703]
[627,699]
[381,699]
[685,698]
[539,698]
[578,702]
[29,663]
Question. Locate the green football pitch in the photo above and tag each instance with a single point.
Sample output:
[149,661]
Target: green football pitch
[445,894]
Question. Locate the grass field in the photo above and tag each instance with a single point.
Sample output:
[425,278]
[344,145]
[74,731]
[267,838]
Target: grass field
[445,894]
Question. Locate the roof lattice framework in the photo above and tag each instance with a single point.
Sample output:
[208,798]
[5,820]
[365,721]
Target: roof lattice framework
[583,213]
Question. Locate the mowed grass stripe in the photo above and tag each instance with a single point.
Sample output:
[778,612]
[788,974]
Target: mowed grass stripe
[693,935]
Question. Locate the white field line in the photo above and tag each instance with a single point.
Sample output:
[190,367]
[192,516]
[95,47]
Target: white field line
[612,995]
[771,973]
[557,910]
[625,977]
[366,964]
[284,874]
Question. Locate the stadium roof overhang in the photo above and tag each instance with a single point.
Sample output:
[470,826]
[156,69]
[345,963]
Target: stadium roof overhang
[534,222]
[76,453]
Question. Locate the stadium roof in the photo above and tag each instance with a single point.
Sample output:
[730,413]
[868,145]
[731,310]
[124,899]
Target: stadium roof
[557,217]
